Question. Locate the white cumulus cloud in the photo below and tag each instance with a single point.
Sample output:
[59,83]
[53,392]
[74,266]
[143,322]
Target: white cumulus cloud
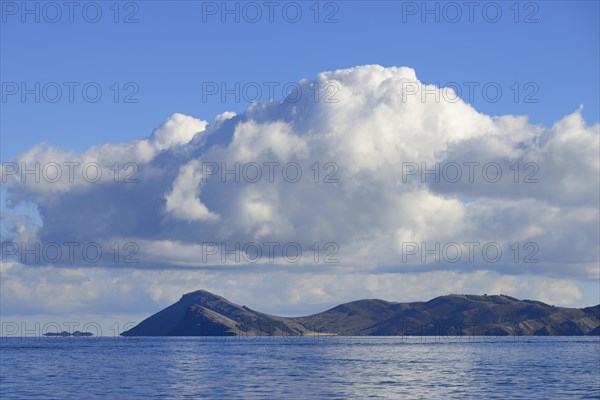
[365,150]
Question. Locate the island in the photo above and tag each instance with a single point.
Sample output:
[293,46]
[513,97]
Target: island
[65,333]
[202,313]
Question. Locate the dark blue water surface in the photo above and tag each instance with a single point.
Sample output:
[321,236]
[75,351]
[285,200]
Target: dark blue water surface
[300,368]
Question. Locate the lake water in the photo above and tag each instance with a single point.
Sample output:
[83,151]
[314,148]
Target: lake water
[300,368]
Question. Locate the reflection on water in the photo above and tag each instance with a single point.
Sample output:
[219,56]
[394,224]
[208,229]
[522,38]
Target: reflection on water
[309,367]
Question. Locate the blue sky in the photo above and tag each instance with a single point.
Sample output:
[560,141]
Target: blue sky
[544,59]
[170,52]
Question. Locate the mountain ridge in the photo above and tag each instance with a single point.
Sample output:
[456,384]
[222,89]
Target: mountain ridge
[202,313]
